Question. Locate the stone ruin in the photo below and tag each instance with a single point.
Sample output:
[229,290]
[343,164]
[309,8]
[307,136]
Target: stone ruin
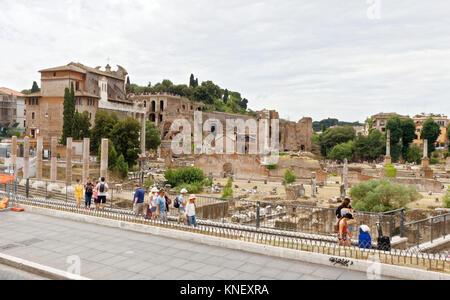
[295,191]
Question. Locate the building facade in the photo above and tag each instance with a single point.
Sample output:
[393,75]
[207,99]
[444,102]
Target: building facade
[379,121]
[443,121]
[95,89]
[12,109]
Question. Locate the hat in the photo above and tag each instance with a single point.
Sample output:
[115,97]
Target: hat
[183,191]
[192,197]
[365,228]
[349,216]
[154,190]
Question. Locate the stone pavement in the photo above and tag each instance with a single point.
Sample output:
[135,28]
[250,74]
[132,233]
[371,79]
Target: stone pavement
[8,273]
[110,253]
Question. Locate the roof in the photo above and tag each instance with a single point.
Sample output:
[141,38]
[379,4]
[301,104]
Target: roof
[387,115]
[10,92]
[80,68]
[37,94]
[85,94]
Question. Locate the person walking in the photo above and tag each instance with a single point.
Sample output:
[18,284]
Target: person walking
[343,236]
[95,196]
[89,192]
[161,211]
[78,193]
[102,188]
[180,203]
[152,203]
[190,212]
[138,201]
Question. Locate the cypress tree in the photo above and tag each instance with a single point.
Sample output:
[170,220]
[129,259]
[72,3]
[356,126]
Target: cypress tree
[192,81]
[68,114]
[35,88]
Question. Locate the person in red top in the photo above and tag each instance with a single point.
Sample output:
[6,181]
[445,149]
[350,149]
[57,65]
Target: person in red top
[344,238]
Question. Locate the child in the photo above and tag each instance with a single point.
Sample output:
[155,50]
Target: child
[78,193]
[96,194]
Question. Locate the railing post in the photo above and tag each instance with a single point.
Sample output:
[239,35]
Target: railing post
[402,223]
[112,198]
[418,235]
[445,226]
[258,215]
[391,226]
[431,229]
[66,192]
[27,189]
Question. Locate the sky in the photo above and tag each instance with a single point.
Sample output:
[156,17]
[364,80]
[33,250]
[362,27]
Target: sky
[304,58]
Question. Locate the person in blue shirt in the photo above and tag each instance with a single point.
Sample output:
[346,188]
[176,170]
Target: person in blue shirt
[161,211]
[138,201]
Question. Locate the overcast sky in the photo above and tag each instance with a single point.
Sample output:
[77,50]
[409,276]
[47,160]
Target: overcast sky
[328,58]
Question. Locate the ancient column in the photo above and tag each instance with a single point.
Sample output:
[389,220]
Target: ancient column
[104,159]
[14,154]
[26,158]
[425,159]
[314,185]
[40,144]
[86,154]
[143,133]
[388,158]
[53,162]
[345,179]
[69,161]
[343,192]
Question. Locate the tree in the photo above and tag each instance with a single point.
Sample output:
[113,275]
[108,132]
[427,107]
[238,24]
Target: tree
[192,81]
[408,135]
[104,123]
[35,88]
[431,132]
[382,196]
[225,96]
[289,177]
[122,166]
[128,80]
[342,151]
[68,114]
[335,136]
[414,155]
[152,136]
[81,125]
[125,137]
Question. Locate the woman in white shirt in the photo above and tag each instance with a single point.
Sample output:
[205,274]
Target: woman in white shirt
[190,212]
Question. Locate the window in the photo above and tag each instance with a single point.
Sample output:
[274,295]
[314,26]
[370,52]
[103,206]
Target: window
[152,118]
[160,118]
[54,74]
[77,86]
[32,116]
[161,105]
[153,106]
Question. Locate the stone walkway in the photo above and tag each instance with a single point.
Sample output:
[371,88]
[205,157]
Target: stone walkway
[109,253]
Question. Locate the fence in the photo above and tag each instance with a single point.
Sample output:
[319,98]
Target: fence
[427,231]
[276,238]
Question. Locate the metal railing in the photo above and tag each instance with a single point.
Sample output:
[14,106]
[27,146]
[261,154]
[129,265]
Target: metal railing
[277,238]
[427,230]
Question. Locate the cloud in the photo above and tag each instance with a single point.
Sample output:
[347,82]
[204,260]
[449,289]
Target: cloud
[303,58]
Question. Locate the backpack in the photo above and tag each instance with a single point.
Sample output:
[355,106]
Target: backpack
[89,189]
[176,203]
[168,202]
[102,188]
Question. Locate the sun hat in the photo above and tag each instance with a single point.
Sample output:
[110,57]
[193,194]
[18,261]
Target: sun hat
[192,197]
[154,190]
[183,191]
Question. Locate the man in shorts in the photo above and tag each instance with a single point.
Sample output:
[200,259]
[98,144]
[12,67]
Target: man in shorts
[182,206]
[138,201]
[102,188]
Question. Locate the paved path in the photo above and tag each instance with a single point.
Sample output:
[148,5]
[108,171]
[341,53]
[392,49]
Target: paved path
[110,253]
[8,273]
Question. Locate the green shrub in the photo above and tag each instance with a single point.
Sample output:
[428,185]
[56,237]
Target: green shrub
[289,177]
[271,167]
[184,175]
[228,190]
[434,161]
[149,182]
[391,171]
[447,199]
[382,196]
[208,181]
[122,166]
[414,154]
[17,134]
[193,188]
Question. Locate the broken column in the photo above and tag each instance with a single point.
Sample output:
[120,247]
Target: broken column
[104,159]
[314,185]
[388,158]
[26,158]
[53,162]
[426,171]
[14,154]
[86,154]
[343,192]
[143,133]
[69,161]
[345,174]
[40,143]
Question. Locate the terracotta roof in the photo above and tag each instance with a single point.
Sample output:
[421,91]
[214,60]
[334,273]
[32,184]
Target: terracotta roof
[80,68]
[85,94]
[37,94]
[10,92]
[68,67]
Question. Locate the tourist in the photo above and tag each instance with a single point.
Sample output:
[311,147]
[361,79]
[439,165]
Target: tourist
[345,204]
[161,211]
[102,188]
[78,193]
[152,203]
[95,196]
[344,239]
[190,212]
[89,191]
[180,203]
[365,240]
[138,201]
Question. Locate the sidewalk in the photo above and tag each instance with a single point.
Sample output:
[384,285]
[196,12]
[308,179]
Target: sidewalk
[109,253]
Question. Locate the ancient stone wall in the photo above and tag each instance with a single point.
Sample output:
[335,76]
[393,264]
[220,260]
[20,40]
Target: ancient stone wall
[296,136]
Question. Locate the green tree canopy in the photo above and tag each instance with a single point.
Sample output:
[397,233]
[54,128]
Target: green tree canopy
[370,147]
[35,88]
[414,155]
[335,136]
[431,132]
[81,125]
[342,151]
[68,114]
[152,137]
[104,123]
[125,137]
